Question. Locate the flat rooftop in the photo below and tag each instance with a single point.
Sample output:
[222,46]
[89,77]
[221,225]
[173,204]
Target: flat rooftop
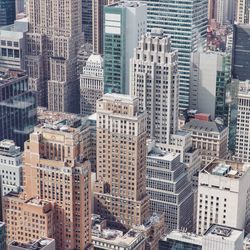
[9,148]
[118,97]
[230,169]
[223,232]
[35,245]
[158,153]
[125,4]
[8,75]
[37,202]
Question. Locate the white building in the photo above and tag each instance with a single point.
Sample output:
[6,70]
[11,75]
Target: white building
[10,167]
[242,149]
[225,11]
[12,44]
[223,238]
[223,195]
[210,74]
[155,80]
[91,84]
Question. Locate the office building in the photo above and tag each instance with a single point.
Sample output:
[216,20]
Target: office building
[210,137]
[216,237]
[155,80]
[53,40]
[223,195]
[12,44]
[27,219]
[242,11]
[225,11]
[17,106]
[10,167]
[241,52]
[97,23]
[211,10]
[186,22]
[20,7]
[210,75]
[7,12]
[91,84]
[182,240]
[169,189]
[2,236]
[124,24]
[87,20]
[242,151]
[120,191]
[223,238]
[41,244]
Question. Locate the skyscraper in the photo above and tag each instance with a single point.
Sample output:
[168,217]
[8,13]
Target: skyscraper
[17,106]
[242,150]
[7,12]
[120,191]
[97,24]
[53,39]
[154,79]
[124,24]
[241,52]
[186,22]
[56,180]
[242,11]
[91,84]
[87,20]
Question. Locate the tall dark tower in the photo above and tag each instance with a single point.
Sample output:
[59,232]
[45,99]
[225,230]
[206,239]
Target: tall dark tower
[87,20]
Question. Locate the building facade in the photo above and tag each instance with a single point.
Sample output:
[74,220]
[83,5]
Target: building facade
[119,44]
[17,106]
[241,52]
[87,20]
[53,40]
[221,184]
[12,45]
[210,75]
[91,84]
[242,152]
[10,167]
[210,137]
[2,236]
[154,79]
[120,191]
[97,23]
[169,189]
[7,12]
[242,11]
[186,23]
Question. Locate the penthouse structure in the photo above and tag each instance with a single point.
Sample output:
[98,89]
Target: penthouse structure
[120,191]
[221,184]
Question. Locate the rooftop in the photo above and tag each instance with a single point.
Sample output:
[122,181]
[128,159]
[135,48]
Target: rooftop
[126,4]
[37,202]
[8,75]
[205,126]
[244,87]
[9,148]
[118,98]
[36,245]
[224,232]
[157,153]
[229,169]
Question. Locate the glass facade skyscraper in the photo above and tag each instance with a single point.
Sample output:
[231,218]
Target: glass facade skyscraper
[7,12]
[17,107]
[186,22]
[87,20]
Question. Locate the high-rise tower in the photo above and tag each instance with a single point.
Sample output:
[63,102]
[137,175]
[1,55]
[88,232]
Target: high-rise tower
[186,22]
[53,39]
[154,79]
[7,12]
[120,191]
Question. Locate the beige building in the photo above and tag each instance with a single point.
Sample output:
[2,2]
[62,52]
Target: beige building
[53,39]
[27,219]
[210,137]
[242,11]
[97,23]
[120,190]
[56,170]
